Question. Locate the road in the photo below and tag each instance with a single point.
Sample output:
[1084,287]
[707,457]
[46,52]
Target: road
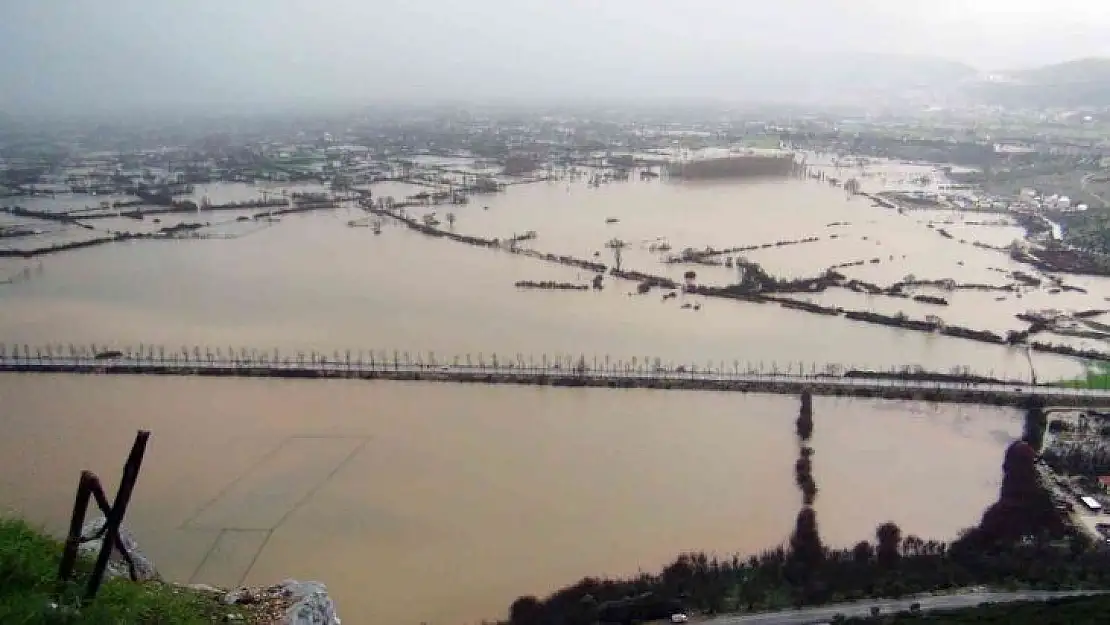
[826,613]
[515,373]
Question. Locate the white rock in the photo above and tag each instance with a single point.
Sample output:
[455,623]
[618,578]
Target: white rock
[235,596]
[117,566]
[312,605]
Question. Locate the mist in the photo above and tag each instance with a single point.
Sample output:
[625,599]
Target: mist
[111,55]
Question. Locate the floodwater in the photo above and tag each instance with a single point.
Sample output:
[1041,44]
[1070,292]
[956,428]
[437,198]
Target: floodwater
[311,282]
[440,503]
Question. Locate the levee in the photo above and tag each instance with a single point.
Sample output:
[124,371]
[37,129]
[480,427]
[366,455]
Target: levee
[999,394]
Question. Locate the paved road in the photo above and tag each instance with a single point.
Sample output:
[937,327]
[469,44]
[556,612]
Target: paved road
[523,374]
[887,606]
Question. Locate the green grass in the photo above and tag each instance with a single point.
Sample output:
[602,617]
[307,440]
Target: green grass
[28,570]
[1098,377]
[1071,611]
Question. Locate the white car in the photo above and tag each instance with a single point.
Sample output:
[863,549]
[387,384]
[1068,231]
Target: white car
[679,618]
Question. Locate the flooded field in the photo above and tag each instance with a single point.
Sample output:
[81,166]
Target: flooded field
[442,503]
[311,282]
[439,503]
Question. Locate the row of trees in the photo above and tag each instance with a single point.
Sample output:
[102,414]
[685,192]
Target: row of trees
[1020,541]
[361,357]
[806,550]
[1024,508]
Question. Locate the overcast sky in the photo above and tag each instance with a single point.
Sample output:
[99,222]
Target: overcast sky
[110,53]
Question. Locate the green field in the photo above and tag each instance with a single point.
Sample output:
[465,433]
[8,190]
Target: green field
[1098,377]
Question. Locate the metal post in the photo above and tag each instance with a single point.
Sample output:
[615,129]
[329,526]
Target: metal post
[119,507]
[73,537]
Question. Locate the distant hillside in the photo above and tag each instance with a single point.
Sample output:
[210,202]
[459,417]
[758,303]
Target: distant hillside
[1082,82]
[1071,72]
[913,71]
[838,77]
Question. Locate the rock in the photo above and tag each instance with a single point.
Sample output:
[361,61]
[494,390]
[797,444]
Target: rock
[288,603]
[240,596]
[117,566]
[312,605]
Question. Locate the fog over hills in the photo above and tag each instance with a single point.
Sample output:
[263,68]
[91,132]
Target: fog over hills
[1079,83]
[253,55]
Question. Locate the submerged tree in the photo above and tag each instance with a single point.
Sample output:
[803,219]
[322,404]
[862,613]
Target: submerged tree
[804,424]
[617,246]
[1024,506]
[806,551]
[805,541]
[803,468]
[803,476]
[1036,422]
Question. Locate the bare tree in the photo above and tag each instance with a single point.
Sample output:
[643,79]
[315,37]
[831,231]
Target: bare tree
[617,246]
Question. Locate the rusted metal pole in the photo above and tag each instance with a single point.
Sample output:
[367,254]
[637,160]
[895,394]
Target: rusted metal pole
[114,516]
[73,537]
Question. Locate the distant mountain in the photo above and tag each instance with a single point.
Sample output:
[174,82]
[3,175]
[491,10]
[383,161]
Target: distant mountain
[1078,83]
[1070,72]
[904,71]
[834,77]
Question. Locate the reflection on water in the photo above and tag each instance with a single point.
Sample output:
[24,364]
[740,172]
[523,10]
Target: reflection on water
[442,503]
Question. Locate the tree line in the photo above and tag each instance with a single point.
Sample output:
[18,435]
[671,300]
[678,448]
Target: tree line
[806,550]
[1020,541]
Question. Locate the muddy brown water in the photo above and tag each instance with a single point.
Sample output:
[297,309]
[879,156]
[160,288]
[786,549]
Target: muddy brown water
[311,282]
[441,503]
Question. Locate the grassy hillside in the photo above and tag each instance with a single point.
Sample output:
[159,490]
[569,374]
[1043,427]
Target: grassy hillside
[1082,82]
[29,568]
[1070,72]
